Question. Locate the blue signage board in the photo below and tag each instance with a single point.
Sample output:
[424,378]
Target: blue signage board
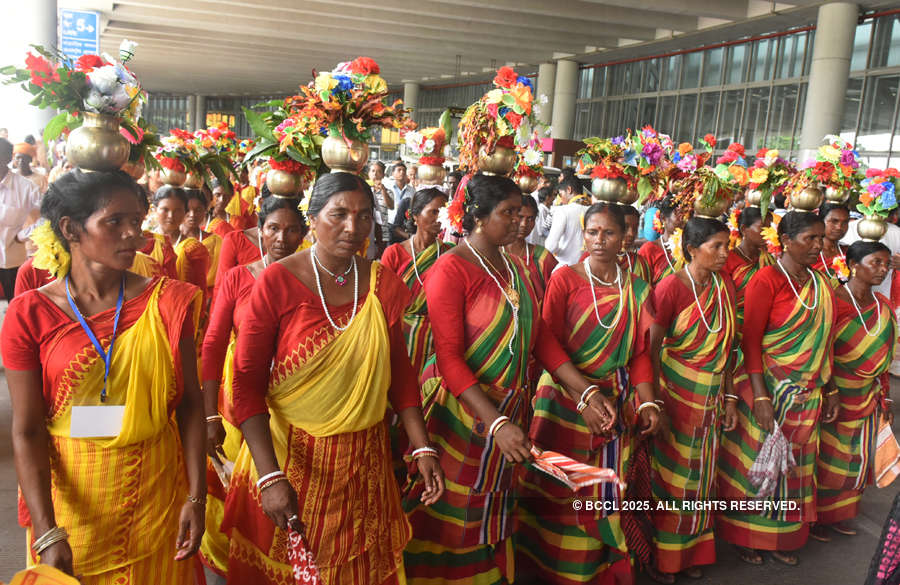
[79,32]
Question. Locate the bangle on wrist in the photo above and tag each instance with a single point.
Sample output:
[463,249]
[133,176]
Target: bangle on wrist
[424,452]
[269,476]
[270,482]
[733,397]
[832,392]
[588,392]
[194,500]
[49,538]
[646,405]
[213,418]
[495,426]
[760,398]
[587,399]
[659,402]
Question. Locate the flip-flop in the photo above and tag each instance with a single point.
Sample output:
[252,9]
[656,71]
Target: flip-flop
[749,555]
[819,532]
[785,558]
[844,529]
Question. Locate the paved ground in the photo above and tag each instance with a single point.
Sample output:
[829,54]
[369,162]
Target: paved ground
[844,561]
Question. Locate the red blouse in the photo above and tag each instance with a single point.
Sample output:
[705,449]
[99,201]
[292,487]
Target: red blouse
[563,287]
[671,296]
[228,312]
[452,286]
[279,300]
[168,254]
[395,257]
[769,299]
[237,250]
[29,278]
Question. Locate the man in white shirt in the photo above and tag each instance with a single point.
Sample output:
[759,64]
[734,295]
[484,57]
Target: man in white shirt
[402,187]
[566,237]
[20,206]
[544,197]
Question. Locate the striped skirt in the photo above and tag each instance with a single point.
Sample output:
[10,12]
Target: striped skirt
[554,543]
[777,530]
[846,450]
[464,537]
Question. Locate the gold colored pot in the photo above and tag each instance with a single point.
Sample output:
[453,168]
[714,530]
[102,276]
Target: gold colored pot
[194,181]
[135,169]
[173,178]
[871,228]
[609,190]
[714,211]
[753,198]
[283,183]
[341,158]
[97,145]
[499,162]
[430,174]
[837,195]
[808,199]
[527,183]
[631,195]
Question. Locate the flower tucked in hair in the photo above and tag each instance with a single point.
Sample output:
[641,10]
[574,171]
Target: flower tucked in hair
[658,225]
[773,243]
[734,236]
[839,265]
[674,246]
[51,255]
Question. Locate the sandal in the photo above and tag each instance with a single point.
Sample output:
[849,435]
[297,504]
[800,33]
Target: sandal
[749,555]
[693,573]
[659,577]
[819,532]
[786,558]
[844,529]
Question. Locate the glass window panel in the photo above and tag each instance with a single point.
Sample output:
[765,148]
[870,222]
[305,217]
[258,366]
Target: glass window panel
[672,72]
[586,83]
[582,120]
[753,134]
[781,117]
[736,64]
[730,119]
[861,46]
[798,122]
[876,123]
[596,119]
[792,51]
[629,114]
[712,66]
[851,109]
[690,78]
[652,78]
[709,107]
[647,112]
[687,107]
[763,59]
[665,116]
[600,81]
[886,42]
[613,124]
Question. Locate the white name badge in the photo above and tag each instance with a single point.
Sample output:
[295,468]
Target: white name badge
[96,421]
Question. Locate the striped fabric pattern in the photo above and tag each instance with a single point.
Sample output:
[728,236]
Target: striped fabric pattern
[635,264]
[693,363]
[796,360]
[741,277]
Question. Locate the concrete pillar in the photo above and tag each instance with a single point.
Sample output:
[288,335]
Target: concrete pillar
[411,99]
[835,29]
[546,86]
[26,23]
[565,90]
[199,112]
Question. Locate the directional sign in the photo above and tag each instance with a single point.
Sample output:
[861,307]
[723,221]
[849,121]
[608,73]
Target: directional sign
[79,32]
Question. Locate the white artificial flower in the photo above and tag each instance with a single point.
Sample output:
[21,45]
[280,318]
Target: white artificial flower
[544,100]
[444,218]
[126,50]
[537,110]
[770,157]
[413,140]
[429,146]
[104,79]
[533,157]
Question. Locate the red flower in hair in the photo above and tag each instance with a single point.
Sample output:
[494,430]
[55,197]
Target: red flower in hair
[364,66]
[506,77]
[41,70]
[88,63]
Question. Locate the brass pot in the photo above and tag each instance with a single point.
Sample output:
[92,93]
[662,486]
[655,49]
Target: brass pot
[527,183]
[808,199]
[135,169]
[713,211]
[871,228]
[194,181]
[173,178]
[631,195]
[499,162]
[430,174]
[609,190]
[837,195]
[341,158]
[753,198]
[283,183]
[97,145]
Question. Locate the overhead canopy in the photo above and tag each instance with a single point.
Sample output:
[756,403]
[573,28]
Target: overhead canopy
[218,47]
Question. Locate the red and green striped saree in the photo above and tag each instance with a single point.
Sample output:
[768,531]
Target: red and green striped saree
[553,543]
[847,445]
[693,364]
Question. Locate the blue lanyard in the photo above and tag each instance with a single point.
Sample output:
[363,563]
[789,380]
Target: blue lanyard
[106,355]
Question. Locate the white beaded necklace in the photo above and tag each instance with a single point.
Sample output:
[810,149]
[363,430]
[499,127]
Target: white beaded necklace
[628,258]
[666,253]
[858,312]
[700,307]
[825,264]
[261,253]
[618,280]
[527,253]
[793,288]
[316,264]
[512,284]
[412,252]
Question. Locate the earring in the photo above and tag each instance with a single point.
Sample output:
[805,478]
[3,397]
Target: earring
[478,230]
[853,273]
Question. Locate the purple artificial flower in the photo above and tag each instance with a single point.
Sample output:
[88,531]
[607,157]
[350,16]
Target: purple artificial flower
[653,152]
[876,189]
[688,164]
[847,159]
[618,140]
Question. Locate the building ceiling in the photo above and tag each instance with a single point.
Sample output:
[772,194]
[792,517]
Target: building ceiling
[236,47]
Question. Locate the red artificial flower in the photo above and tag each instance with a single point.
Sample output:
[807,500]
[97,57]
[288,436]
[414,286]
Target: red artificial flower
[604,172]
[179,133]
[729,157]
[87,63]
[133,139]
[173,164]
[41,70]
[493,110]
[364,66]
[435,161]
[761,153]
[514,119]
[506,142]
[288,165]
[710,140]
[506,77]
[891,172]
[823,171]
[873,172]
[737,147]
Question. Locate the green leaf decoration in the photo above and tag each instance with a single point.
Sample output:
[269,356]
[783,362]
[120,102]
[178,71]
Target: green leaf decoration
[258,124]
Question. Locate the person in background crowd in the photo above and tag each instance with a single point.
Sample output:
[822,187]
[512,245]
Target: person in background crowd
[628,259]
[4,133]
[111,495]
[537,259]
[24,155]
[21,202]
[217,220]
[544,197]
[414,176]
[192,257]
[402,189]
[63,166]
[384,200]
[191,227]
[657,253]
[452,182]
[837,222]
[566,236]
[39,161]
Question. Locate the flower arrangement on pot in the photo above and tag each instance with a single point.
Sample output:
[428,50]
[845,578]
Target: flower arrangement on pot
[837,169]
[96,94]
[144,141]
[492,127]
[878,196]
[216,148]
[646,155]
[428,146]
[529,167]
[709,191]
[177,156]
[603,159]
[768,175]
